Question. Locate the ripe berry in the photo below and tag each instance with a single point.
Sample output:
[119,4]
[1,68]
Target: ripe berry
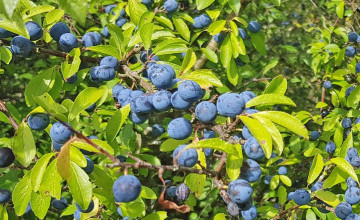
[126,188]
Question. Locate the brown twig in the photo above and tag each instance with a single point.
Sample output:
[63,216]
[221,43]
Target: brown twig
[5,110]
[127,72]
[63,54]
[285,212]
[143,164]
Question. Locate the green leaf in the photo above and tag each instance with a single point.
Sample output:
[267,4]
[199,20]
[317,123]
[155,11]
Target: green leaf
[310,215]
[189,61]
[115,122]
[3,213]
[145,33]
[270,65]
[238,44]
[69,69]
[233,165]
[160,215]
[63,162]
[53,16]
[136,11]
[106,49]
[171,49]
[220,216]
[232,73]
[261,134]
[77,156]
[340,9]
[5,55]
[204,77]
[196,183]
[163,20]
[21,194]
[170,144]
[201,4]
[80,186]
[39,9]
[147,193]
[85,146]
[51,181]
[235,5]
[76,9]
[210,54]
[104,146]
[270,99]
[40,84]
[274,132]
[274,182]
[258,40]
[349,142]
[218,144]
[16,25]
[328,197]
[117,37]
[182,28]
[345,166]
[285,120]
[337,176]
[286,180]
[216,27]
[40,204]
[86,98]
[24,145]
[38,171]
[8,6]
[354,98]
[226,52]
[282,194]
[315,169]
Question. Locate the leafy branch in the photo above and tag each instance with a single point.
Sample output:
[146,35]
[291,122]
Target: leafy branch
[5,110]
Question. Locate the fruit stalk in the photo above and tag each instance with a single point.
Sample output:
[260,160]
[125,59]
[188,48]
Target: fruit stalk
[4,110]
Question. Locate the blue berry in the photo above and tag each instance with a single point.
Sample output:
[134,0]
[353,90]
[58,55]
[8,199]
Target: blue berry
[239,191]
[72,79]
[34,29]
[91,39]
[242,33]
[60,133]
[5,33]
[120,22]
[246,132]
[317,186]
[314,135]
[157,130]
[102,73]
[219,37]
[171,192]
[327,84]
[346,123]
[267,180]
[141,105]
[126,188]
[59,204]
[105,31]
[254,27]
[350,51]
[179,128]
[352,195]
[208,152]
[250,171]
[343,210]
[249,214]
[138,118]
[233,209]
[349,90]
[171,5]
[350,182]
[116,90]
[282,170]
[162,100]
[38,121]
[357,67]
[353,217]
[253,149]
[208,134]
[161,76]
[301,196]
[123,96]
[330,147]
[5,196]
[178,103]
[352,36]
[108,8]
[89,165]
[21,45]
[290,196]
[57,146]
[87,210]
[147,2]
[247,96]
[58,29]
[230,105]
[182,192]
[190,91]
[206,112]
[68,42]
[188,158]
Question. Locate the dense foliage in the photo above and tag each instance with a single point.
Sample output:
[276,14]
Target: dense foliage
[195,109]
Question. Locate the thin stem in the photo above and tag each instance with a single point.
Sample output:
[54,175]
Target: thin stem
[5,110]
